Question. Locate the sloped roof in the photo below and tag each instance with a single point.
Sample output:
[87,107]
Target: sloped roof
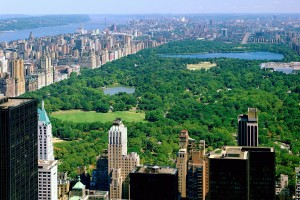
[78,186]
[43,116]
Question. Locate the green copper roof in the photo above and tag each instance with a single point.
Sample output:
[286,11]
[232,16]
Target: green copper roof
[78,186]
[43,116]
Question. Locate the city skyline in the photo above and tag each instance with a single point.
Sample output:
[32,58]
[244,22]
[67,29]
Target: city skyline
[150,7]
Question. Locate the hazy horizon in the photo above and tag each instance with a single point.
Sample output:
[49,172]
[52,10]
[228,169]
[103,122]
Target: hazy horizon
[33,7]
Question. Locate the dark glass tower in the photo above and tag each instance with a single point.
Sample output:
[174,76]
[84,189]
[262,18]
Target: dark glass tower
[242,173]
[248,128]
[18,143]
[100,178]
[148,183]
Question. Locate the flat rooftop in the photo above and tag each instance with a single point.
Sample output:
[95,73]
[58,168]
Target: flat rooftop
[47,164]
[231,153]
[238,152]
[6,102]
[154,170]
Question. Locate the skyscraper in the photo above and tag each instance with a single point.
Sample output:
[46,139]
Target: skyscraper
[45,150]
[196,174]
[154,182]
[18,155]
[119,163]
[242,173]
[191,167]
[47,166]
[248,128]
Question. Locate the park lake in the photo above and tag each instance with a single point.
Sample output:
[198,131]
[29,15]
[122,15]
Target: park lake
[259,55]
[116,89]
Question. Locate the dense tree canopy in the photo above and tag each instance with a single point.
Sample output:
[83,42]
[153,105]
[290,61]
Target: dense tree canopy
[205,102]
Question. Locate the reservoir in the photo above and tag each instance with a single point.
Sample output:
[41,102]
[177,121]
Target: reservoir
[259,55]
[117,89]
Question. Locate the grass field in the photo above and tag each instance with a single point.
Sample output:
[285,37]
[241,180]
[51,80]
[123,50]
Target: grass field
[202,65]
[83,116]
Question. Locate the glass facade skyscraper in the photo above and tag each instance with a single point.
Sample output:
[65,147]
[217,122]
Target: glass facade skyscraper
[18,143]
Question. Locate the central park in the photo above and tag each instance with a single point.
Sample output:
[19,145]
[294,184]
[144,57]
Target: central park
[169,97]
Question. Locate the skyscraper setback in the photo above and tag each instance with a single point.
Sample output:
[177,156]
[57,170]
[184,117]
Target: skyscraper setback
[248,128]
[119,162]
[18,155]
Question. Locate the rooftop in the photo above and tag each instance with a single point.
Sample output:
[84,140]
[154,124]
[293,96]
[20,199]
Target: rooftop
[238,152]
[231,153]
[46,164]
[154,170]
[6,102]
[43,116]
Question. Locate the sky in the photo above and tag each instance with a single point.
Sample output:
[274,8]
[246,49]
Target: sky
[37,7]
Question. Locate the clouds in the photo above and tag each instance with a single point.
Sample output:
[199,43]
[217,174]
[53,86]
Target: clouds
[148,6]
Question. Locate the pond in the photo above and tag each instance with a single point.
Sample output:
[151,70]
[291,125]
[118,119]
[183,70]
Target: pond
[117,89]
[259,55]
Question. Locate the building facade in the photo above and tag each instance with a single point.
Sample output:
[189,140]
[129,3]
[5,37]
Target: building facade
[17,69]
[47,166]
[18,155]
[192,168]
[154,182]
[242,173]
[119,162]
[100,178]
[248,128]
[48,179]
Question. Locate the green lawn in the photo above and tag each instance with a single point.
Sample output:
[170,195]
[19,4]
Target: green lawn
[83,116]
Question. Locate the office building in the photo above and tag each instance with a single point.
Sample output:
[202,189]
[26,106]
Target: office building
[242,173]
[47,166]
[47,179]
[18,155]
[248,128]
[45,150]
[119,162]
[154,182]
[100,178]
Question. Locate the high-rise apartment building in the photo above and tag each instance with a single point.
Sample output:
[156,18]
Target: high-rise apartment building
[47,68]
[181,165]
[47,166]
[248,128]
[119,162]
[154,182]
[242,173]
[191,167]
[18,155]
[196,174]
[17,69]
